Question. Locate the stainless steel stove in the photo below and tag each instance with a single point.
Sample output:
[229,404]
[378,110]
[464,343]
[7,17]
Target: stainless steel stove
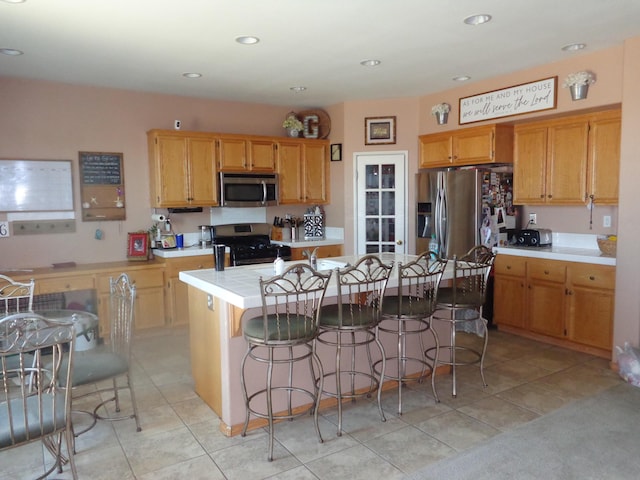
[249,243]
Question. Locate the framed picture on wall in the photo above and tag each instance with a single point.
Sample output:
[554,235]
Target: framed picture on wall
[137,246]
[379,130]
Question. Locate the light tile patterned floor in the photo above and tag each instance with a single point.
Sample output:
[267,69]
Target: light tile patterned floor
[180,436]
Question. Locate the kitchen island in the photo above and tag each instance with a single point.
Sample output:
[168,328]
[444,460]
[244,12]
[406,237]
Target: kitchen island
[218,303]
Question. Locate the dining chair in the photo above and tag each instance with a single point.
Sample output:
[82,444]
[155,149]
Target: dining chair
[15,296]
[111,361]
[35,394]
[291,304]
[407,313]
[352,323]
[461,305]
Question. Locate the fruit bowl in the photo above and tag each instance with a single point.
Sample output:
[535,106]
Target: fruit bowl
[607,244]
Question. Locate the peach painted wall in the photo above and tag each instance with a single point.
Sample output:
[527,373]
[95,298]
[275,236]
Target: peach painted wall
[42,120]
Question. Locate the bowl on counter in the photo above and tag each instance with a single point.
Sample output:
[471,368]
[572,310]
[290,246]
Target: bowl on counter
[608,244]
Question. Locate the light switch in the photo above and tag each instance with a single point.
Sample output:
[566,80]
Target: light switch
[606,221]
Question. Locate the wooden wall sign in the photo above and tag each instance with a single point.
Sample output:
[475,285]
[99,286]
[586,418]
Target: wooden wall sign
[516,100]
[102,186]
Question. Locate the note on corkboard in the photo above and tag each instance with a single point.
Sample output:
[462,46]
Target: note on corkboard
[102,186]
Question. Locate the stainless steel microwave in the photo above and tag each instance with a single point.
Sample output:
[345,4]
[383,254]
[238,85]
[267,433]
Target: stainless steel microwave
[248,189]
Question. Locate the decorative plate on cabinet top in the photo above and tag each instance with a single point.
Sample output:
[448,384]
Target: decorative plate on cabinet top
[324,122]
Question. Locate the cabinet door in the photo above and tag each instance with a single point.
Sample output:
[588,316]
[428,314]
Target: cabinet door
[604,158]
[149,308]
[232,154]
[315,173]
[473,146]
[567,163]
[203,181]
[435,150]
[262,155]
[509,293]
[290,172]
[172,176]
[546,297]
[530,153]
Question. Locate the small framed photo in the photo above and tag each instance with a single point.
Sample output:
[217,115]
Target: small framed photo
[336,152]
[379,130]
[137,246]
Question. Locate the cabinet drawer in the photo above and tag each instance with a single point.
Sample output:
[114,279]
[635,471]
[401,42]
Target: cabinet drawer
[595,276]
[173,267]
[140,278]
[510,265]
[550,271]
[65,284]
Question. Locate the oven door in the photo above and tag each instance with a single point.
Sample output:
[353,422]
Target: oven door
[248,190]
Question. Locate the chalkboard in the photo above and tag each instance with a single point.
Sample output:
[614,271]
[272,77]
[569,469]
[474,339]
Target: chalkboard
[102,186]
[101,168]
[35,185]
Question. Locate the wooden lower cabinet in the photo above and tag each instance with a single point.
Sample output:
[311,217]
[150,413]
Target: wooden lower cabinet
[149,305]
[568,303]
[176,298]
[324,251]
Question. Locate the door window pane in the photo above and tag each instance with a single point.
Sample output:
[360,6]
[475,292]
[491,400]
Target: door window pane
[373,248]
[373,230]
[388,176]
[373,204]
[373,179]
[389,248]
[388,230]
[388,203]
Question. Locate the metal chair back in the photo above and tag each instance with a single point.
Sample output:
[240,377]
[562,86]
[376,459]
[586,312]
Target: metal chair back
[35,400]
[15,297]
[122,303]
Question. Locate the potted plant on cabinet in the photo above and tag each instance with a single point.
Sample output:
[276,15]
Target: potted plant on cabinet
[578,84]
[293,125]
[441,112]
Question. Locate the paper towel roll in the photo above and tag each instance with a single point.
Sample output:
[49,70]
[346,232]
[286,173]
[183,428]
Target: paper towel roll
[158,218]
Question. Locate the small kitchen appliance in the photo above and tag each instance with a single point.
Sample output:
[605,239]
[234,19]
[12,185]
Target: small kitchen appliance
[534,237]
[206,234]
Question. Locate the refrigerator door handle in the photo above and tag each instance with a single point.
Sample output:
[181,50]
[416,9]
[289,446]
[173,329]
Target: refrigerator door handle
[444,213]
[440,222]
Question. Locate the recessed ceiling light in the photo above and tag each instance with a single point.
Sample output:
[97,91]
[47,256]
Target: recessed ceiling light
[247,39]
[478,19]
[370,63]
[298,89]
[461,78]
[14,1]
[572,47]
[11,51]
[192,75]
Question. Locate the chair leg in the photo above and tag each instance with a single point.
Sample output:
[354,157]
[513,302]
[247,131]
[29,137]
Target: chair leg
[269,402]
[134,404]
[244,391]
[338,383]
[70,440]
[116,396]
[484,350]
[381,378]
[320,385]
[453,354]
[434,366]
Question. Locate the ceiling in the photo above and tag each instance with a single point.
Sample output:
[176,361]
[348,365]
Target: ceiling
[147,45]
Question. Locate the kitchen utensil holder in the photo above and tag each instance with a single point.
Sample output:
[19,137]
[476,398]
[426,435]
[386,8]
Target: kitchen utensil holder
[313,226]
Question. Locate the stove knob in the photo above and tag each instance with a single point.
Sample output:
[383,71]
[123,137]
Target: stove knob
[534,240]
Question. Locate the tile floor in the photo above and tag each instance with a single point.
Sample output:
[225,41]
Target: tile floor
[180,436]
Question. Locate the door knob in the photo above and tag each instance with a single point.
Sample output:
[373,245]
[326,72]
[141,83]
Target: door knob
[399,242]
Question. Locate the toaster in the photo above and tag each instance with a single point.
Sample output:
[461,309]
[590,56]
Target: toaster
[534,237]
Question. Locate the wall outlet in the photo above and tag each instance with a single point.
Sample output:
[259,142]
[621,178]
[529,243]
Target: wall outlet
[533,219]
[606,221]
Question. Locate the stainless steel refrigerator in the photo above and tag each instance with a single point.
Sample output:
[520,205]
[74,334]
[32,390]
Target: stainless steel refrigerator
[465,207]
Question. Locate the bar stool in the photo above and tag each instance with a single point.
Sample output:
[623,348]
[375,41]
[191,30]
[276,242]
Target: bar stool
[291,305]
[352,323]
[408,313]
[463,302]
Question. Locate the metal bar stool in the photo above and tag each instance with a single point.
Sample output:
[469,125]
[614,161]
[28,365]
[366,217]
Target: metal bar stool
[351,323]
[291,305]
[408,313]
[463,302]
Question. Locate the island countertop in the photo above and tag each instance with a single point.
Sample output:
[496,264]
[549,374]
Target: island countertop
[239,285]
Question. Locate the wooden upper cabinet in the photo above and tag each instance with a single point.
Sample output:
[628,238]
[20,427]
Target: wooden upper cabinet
[468,146]
[262,155]
[565,161]
[604,157]
[232,154]
[182,169]
[303,169]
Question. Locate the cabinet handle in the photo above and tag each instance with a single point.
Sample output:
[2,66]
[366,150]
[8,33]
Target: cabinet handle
[546,272]
[549,196]
[591,277]
[508,267]
[542,195]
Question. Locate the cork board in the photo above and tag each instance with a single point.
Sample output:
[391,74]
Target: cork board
[102,186]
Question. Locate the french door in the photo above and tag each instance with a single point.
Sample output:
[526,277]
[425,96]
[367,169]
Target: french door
[381,202]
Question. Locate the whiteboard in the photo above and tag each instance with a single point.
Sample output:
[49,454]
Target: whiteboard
[35,185]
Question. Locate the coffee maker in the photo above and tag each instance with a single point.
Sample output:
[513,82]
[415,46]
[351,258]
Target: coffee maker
[206,234]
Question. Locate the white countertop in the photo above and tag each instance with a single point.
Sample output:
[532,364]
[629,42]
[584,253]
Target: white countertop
[311,243]
[565,246]
[182,252]
[239,285]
